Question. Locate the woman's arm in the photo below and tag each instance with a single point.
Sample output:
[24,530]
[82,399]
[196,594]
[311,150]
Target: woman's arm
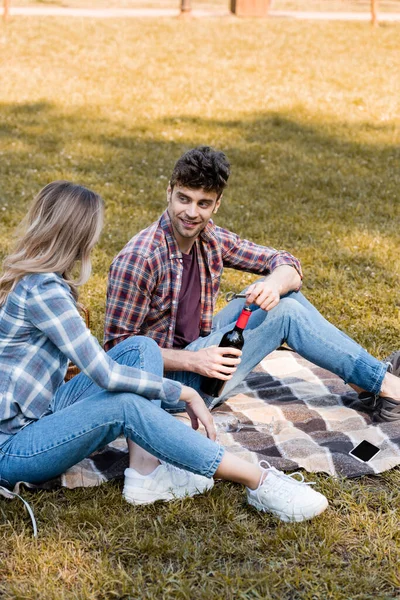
[52,309]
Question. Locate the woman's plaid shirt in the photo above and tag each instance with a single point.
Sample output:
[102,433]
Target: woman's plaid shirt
[40,329]
[145,279]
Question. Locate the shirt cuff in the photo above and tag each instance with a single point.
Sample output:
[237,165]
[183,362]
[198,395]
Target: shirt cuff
[171,392]
[285,258]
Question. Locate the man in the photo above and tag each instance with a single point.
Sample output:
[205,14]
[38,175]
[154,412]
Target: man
[165,281]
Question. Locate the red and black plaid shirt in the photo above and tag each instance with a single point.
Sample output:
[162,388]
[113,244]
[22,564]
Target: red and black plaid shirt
[145,279]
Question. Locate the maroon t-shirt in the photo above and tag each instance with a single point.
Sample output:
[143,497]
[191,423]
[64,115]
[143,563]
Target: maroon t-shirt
[187,328]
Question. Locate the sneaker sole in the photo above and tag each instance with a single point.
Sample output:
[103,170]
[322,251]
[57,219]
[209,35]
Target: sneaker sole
[316,510]
[140,496]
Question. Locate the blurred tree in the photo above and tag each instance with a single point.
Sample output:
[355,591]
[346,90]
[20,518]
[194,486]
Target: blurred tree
[186,8]
[374,12]
[6,7]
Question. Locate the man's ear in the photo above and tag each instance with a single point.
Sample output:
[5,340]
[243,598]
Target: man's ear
[169,192]
[217,204]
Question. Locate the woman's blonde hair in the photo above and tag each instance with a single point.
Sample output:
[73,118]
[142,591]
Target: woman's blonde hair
[62,226]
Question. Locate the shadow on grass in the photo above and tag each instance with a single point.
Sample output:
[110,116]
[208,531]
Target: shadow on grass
[328,192]
[283,164]
[292,180]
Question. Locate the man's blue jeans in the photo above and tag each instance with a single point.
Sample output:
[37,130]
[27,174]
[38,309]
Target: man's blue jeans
[83,418]
[298,323]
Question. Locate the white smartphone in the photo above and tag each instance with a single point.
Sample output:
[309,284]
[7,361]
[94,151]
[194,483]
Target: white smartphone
[364,451]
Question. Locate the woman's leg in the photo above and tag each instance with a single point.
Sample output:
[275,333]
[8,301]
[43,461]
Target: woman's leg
[137,351]
[49,446]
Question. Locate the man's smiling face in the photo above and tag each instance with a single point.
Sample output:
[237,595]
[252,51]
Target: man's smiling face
[189,211]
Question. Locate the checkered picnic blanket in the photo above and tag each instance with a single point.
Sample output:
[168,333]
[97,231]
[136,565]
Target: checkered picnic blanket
[296,415]
[289,412]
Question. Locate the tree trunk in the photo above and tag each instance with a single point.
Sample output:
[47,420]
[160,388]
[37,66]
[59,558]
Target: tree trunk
[6,7]
[374,12]
[186,8]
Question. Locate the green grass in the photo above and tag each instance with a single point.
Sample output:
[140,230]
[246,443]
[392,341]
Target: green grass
[309,117]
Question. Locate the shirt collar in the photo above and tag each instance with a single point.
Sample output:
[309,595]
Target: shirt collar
[166,226]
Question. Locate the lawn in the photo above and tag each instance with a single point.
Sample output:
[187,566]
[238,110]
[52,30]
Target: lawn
[308,114]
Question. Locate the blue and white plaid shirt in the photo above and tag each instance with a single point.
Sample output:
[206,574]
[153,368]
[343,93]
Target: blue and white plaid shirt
[40,329]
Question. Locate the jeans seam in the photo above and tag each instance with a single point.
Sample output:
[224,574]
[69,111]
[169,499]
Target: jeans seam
[125,350]
[82,391]
[377,383]
[217,461]
[66,441]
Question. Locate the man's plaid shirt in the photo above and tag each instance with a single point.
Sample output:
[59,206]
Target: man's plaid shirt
[145,279]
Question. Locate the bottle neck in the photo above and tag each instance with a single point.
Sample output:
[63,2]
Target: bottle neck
[243,319]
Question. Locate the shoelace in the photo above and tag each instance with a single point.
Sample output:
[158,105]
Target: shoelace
[176,473]
[281,475]
[28,508]
[370,401]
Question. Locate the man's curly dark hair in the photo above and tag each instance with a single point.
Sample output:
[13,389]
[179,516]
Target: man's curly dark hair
[203,168]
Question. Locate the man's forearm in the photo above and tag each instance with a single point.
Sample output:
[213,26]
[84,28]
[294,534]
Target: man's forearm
[286,278]
[178,360]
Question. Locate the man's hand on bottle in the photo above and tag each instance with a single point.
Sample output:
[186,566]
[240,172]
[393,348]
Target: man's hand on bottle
[211,362]
[198,411]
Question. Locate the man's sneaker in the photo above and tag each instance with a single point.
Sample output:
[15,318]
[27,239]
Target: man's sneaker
[394,362]
[166,482]
[288,498]
[370,402]
[384,409]
[388,411]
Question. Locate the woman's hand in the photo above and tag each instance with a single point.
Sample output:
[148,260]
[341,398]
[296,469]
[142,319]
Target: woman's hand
[198,411]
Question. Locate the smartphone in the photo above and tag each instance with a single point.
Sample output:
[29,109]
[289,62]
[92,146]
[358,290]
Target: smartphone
[364,451]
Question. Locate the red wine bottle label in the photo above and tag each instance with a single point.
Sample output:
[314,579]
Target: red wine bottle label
[243,318]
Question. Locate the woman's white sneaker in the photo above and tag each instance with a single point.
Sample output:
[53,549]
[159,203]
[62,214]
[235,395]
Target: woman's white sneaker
[288,498]
[166,482]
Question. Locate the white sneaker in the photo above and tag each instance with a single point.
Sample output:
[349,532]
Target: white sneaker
[166,482]
[288,498]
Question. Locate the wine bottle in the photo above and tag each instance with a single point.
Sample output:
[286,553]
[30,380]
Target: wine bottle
[231,339]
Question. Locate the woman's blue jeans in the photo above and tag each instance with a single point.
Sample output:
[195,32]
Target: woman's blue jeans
[298,323]
[84,418]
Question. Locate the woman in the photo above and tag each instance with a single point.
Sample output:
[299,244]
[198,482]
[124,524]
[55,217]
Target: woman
[46,426]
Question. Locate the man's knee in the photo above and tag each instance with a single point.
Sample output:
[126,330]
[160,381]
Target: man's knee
[287,307]
[139,343]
